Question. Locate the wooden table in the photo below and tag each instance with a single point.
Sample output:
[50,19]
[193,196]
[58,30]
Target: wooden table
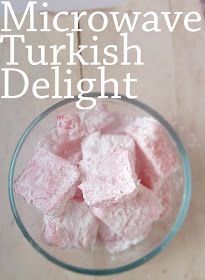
[173,82]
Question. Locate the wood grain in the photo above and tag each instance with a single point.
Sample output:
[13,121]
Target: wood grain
[18,260]
[172,81]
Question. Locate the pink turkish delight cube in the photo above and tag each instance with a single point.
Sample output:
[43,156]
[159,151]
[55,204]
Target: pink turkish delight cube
[64,138]
[48,182]
[115,243]
[164,192]
[119,123]
[156,158]
[108,178]
[133,217]
[71,126]
[97,143]
[96,119]
[59,146]
[76,228]
[126,223]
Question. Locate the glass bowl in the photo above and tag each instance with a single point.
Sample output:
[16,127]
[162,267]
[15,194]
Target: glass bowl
[99,261]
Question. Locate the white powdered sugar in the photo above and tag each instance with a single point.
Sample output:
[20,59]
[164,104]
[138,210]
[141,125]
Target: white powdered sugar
[76,228]
[99,176]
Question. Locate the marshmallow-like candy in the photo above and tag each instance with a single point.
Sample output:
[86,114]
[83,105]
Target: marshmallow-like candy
[115,243]
[108,178]
[64,138]
[61,146]
[96,119]
[131,216]
[76,228]
[120,122]
[156,158]
[97,143]
[48,182]
[129,221]
[71,126]
[164,192]
[100,175]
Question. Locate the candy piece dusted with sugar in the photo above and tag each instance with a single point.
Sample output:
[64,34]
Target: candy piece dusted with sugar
[61,147]
[129,220]
[52,142]
[64,138]
[164,192]
[71,126]
[120,122]
[48,182]
[126,224]
[96,119]
[108,178]
[76,228]
[96,143]
[115,243]
[156,156]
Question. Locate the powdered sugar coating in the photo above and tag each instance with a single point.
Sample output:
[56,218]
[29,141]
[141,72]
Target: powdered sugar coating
[105,197]
[64,138]
[129,220]
[48,182]
[156,156]
[76,228]
[97,143]
[115,243]
[119,123]
[108,178]
[96,119]
[60,146]
[71,126]
[164,193]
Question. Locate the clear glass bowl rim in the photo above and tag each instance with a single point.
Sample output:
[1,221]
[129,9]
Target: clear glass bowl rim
[180,217]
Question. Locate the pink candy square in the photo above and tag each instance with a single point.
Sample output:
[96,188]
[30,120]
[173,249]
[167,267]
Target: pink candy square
[71,126]
[97,143]
[97,119]
[100,174]
[155,156]
[76,228]
[108,178]
[48,182]
[127,223]
[64,138]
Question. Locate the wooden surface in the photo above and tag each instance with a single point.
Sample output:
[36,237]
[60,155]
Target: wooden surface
[173,82]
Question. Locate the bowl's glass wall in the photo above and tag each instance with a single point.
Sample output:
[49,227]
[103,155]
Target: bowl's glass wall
[98,259]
